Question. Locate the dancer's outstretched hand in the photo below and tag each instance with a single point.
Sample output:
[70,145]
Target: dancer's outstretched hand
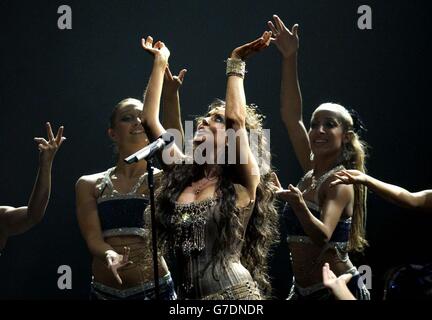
[173,83]
[349,177]
[286,40]
[48,148]
[158,50]
[338,285]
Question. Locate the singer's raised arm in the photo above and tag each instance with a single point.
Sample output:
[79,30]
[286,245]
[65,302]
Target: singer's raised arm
[235,112]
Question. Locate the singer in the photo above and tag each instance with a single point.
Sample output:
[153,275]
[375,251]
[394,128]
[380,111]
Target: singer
[220,219]
[110,208]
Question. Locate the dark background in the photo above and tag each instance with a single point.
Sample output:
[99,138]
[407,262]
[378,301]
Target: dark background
[75,77]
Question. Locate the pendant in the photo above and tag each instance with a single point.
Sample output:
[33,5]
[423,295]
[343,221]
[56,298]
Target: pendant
[313,183]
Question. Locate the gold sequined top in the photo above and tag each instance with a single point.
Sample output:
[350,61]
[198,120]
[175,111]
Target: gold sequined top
[196,234]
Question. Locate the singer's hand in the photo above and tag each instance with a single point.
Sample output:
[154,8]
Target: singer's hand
[245,51]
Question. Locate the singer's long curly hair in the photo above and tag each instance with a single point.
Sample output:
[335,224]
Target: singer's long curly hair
[262,230]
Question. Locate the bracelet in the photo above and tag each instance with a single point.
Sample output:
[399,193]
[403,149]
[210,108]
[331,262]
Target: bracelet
[109,252]
[235,67]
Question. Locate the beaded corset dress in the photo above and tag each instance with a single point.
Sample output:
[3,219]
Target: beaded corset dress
[195,235]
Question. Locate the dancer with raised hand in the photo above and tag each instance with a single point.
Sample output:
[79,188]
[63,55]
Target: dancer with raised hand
[111,206]
[323,223]
[14,221]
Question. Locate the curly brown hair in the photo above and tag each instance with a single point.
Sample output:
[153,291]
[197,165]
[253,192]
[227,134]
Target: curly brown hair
[262,230]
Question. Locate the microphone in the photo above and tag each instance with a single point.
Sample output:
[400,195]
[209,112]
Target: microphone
[149,150]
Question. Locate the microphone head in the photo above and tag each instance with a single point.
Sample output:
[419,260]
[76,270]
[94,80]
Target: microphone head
[131,159]
[167,137]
